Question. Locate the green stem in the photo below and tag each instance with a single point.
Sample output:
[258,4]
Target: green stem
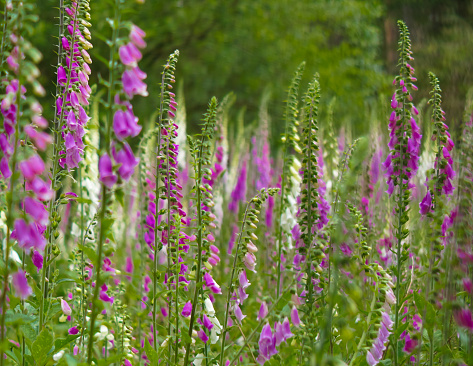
[98,268]
[198,184]
[199,254]
[116,22]
[309,220]
[399,227]
[281,205]
[230,284]
[176,280]
[4,34]
[156,202]
[10,197]
[168,197]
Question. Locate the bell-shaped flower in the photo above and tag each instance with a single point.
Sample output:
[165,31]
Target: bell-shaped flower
[127,160]
[187,310]
[136,36]
[22,289]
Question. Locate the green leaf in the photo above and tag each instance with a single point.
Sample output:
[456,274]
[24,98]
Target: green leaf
[29,332]
[151,354]
[62,342]
[83,200]
[71,361]
[42,346]
[185,337]
[12,318]
[89,252]
[399,330]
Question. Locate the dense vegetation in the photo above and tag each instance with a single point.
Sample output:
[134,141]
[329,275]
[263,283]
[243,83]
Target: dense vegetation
[127,240]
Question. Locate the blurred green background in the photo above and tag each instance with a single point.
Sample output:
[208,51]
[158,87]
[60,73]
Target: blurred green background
[253,46]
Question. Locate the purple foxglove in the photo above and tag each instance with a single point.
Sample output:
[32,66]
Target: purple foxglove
[243,280]
[263,311]
[242,295]
[295,317]
[239,192]
[286,329]
[207,323]
[467,285]
[127,159]
[129,54]
[410,344]
[28,236]
[238,314]
[278,333]
[42,190]
[107,177]
[387,320]
[129,265]
[36,210]
[133,82]
[32,167]
[66,309]
[426,204]
[249,260]
[370,359]
[73,152]
[125,124]
[251,247]
[267,343]
[464,318]
[4,168]
[20,284]
[73,330]
[187,310]
[37,259]
[203,337]
[136,36]
[40,139]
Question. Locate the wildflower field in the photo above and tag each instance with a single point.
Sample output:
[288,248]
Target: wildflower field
[125,242]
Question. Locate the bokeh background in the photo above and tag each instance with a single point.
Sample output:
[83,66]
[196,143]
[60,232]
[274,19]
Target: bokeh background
[252,47]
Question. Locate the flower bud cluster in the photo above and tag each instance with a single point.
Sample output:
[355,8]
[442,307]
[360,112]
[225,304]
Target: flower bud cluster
[73,83]
[402,162]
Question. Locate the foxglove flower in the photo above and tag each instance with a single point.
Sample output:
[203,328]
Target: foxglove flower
[267,345]
[464,318]
[127,159]
[239,192]
[263,311]
[21,286]
[66,309]
[187,310]
[295,317]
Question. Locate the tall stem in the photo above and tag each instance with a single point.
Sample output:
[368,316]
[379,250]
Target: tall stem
[156,194]
[230,284]
[98,268]
[10,214]
[176,280]
[116,23]
[168,197]
[399,227]
[198,183]
[199,255]
[4,34]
